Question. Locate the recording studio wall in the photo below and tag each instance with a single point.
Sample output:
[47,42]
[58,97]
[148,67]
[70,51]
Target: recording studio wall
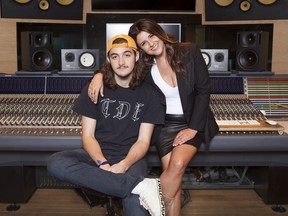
[42,9]
[92,35]
[227,10]
[65,36]
[225,37]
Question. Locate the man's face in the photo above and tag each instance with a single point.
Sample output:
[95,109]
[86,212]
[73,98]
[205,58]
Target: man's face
[122,60]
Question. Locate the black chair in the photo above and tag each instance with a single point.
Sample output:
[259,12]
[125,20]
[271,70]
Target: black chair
[93,198]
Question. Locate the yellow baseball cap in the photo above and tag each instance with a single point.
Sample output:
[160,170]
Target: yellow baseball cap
[130,42]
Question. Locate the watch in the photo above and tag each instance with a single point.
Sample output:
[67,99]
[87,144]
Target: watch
[100,163]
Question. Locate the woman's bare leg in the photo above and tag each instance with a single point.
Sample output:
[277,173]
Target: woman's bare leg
[174,166]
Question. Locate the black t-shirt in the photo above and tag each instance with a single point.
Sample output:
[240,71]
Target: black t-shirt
[119,115]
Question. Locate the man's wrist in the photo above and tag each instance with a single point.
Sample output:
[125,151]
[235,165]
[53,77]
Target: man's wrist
[125,164]
[100,163]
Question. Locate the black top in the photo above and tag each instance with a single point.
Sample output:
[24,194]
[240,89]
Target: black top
[119,115]
[194,89]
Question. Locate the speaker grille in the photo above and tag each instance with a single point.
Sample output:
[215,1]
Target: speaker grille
[37,51]
[248,40]
[248,59]
[252,51]
[41,39]
[42,60]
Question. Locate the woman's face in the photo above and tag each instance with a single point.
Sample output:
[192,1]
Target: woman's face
[150,43]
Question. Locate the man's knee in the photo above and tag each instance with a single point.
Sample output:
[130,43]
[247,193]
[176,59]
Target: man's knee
[55,164]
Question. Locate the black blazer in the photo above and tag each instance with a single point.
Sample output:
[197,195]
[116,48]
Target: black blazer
[194,88]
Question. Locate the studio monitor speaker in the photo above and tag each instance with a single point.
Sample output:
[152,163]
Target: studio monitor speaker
[226,10]
[252,51]
[42,9]
[37,51]
[80,59]
[216,59]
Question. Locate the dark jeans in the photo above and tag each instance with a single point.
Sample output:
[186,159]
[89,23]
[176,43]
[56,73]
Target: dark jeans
[77,167]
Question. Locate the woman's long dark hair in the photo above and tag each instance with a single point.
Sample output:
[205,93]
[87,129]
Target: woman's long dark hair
[138,73]
[174,53]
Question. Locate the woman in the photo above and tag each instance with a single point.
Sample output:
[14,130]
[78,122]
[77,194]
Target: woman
[179,72]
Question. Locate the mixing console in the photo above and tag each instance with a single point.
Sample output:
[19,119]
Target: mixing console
[52,114]
[237,113]
[37,114]
[36,120]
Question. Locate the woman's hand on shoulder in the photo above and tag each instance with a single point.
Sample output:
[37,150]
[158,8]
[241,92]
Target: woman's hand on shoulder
[96,87]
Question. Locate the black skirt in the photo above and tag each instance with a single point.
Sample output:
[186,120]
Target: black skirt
[173,125]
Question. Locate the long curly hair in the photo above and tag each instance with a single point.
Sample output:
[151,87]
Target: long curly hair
[138,73]
[173,47]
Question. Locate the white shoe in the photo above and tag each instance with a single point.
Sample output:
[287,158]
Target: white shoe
[151,198]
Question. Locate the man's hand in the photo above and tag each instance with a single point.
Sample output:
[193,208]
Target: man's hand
[120,167]
[106,167]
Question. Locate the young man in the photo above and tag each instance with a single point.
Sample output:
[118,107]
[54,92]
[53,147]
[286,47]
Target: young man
[116,134]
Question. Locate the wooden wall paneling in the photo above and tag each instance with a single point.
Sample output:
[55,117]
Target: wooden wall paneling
[8,40]
[8,47]
[280,43]
[8,44]
[43,9]
[245,10]
[280,47]
[199,6]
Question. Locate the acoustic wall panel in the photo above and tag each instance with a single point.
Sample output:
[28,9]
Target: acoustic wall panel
[226,10]
[42,9]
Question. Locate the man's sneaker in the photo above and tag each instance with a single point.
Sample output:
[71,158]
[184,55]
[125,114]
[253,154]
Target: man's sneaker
[151,198]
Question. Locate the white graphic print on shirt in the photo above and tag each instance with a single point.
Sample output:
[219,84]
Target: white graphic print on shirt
[122,110]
